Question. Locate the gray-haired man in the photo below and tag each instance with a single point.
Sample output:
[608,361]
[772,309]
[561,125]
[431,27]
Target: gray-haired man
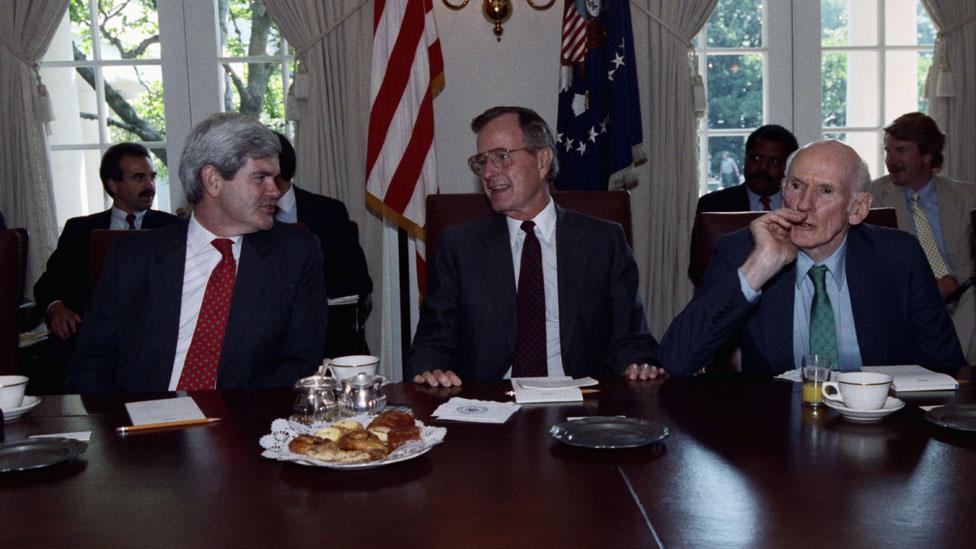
[226,299]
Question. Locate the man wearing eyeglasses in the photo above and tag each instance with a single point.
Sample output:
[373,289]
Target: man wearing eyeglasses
[534,290]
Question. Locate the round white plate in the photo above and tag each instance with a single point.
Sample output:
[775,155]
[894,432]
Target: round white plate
[891,406]
[16,413]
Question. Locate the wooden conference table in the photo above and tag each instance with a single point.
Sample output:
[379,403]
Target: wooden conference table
[744,465]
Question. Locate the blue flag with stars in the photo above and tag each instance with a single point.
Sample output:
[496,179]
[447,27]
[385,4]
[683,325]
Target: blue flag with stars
[599,127]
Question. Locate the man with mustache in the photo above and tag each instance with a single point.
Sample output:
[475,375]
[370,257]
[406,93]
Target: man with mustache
[934,208]
[809,277]
[225,299]
[64,290]
[767,149]
[535,289]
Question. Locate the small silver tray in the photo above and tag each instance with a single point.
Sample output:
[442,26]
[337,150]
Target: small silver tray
[954,416]
[608,432]
[36,453]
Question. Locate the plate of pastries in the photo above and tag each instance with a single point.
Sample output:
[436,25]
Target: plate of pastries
[359,442]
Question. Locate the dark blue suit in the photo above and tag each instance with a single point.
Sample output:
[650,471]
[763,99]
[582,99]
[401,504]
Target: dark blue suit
[275,331]
[731,199]
[467,321]
[898,313]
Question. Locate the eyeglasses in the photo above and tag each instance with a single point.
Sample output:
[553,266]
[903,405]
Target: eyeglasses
[500,158]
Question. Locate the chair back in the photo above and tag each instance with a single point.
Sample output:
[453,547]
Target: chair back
[711,225]
[13,269]
[99,243]
[446,210]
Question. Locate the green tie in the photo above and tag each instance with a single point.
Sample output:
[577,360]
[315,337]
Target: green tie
[823,338]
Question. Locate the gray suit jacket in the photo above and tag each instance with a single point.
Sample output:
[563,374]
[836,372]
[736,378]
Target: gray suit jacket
[956,200]
[467,321]
[275,332]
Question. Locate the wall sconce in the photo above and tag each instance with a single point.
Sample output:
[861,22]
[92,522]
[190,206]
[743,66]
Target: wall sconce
[498,11]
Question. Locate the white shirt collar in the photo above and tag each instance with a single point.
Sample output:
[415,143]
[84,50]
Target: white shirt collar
[544,220]
[118,218]
[286,202]
[198,238]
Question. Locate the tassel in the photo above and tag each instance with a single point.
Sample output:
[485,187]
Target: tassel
[45,113]
[698,90]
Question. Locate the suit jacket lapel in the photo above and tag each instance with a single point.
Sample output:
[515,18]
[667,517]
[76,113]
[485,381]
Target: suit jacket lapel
[499,275]
[895,197]
[777,320]
[951,208]
[249,286]
[866,299]
[165,299]
[572,263]
[743,199]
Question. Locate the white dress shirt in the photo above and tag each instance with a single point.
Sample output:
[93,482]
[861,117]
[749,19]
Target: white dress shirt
[545,231]
[201,259]
[287,211]
[119,222]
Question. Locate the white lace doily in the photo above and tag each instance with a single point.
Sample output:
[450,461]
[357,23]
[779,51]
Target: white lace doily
[275,444]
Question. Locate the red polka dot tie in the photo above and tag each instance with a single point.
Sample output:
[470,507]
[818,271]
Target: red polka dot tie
[200,366]
[530,339]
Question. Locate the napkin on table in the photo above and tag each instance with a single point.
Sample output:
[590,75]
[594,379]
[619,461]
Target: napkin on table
[475,411]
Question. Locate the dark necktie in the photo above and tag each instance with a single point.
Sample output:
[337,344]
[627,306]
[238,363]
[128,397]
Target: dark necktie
[765,202]
[203,357]
[130,220]
[823,337]
[530,340]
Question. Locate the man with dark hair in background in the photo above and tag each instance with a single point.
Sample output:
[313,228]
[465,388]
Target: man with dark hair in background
[64,290]
[935,209]
[767,149]
[347,280]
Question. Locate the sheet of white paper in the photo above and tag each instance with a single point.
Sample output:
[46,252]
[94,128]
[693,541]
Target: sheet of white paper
[83,436]
[163,410]
[911,377]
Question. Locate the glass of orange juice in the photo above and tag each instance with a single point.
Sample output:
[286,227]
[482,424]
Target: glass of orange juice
[816,371]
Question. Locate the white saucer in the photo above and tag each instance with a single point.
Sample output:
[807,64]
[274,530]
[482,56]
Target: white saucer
[891,406]
[16,413]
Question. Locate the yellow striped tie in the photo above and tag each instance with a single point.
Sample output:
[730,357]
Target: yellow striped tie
[924,233]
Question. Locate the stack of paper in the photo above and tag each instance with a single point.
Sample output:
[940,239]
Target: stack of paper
[916,378]
[550,389]
[475,411]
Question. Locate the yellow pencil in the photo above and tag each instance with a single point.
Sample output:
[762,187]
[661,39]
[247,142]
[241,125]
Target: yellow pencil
[166,425]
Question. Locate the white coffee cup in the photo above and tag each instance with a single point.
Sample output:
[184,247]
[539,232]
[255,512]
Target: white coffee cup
[344,367]
[12,391]
[858,390]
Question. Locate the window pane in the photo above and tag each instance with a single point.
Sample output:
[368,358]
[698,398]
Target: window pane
[255,89]
[77,189]
[866,145]
[735,91]
[135,100]
[247,29]
[74,105]
[850,88]
[725,157]
[849,23]
[736,24]
[907,24]
[128,30]
[905,73]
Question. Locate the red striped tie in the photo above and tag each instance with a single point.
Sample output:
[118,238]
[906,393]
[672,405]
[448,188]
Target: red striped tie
[203,357]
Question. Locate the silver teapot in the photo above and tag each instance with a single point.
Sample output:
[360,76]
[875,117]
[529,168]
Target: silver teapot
[317,400]
[362,394]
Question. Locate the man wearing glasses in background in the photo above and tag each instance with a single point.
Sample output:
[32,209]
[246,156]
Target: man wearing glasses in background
[535,289]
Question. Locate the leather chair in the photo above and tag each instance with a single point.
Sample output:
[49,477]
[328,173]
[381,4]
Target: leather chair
[709,226]
[13,270]
[99,243]
[445,210]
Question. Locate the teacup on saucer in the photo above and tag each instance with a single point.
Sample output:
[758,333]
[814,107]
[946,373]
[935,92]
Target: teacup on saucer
[891,406]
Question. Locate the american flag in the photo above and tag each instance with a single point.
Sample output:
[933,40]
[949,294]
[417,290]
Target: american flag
[407,73]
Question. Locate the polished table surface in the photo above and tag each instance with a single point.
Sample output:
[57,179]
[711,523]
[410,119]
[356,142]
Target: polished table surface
[744,465]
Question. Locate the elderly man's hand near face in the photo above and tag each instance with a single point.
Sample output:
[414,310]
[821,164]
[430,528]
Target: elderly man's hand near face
[773,249]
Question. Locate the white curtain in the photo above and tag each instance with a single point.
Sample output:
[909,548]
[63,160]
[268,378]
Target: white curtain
[333,41]
[951,83]
[26,195]
[664,202]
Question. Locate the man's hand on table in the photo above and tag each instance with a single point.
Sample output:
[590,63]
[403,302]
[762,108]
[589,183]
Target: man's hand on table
[63,321]
[643,372]
[438,378]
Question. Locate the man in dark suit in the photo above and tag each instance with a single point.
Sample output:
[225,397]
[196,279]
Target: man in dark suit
[64,290]
[346,274]
[767,149]
[591,320]
[807,278]
[225,299]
